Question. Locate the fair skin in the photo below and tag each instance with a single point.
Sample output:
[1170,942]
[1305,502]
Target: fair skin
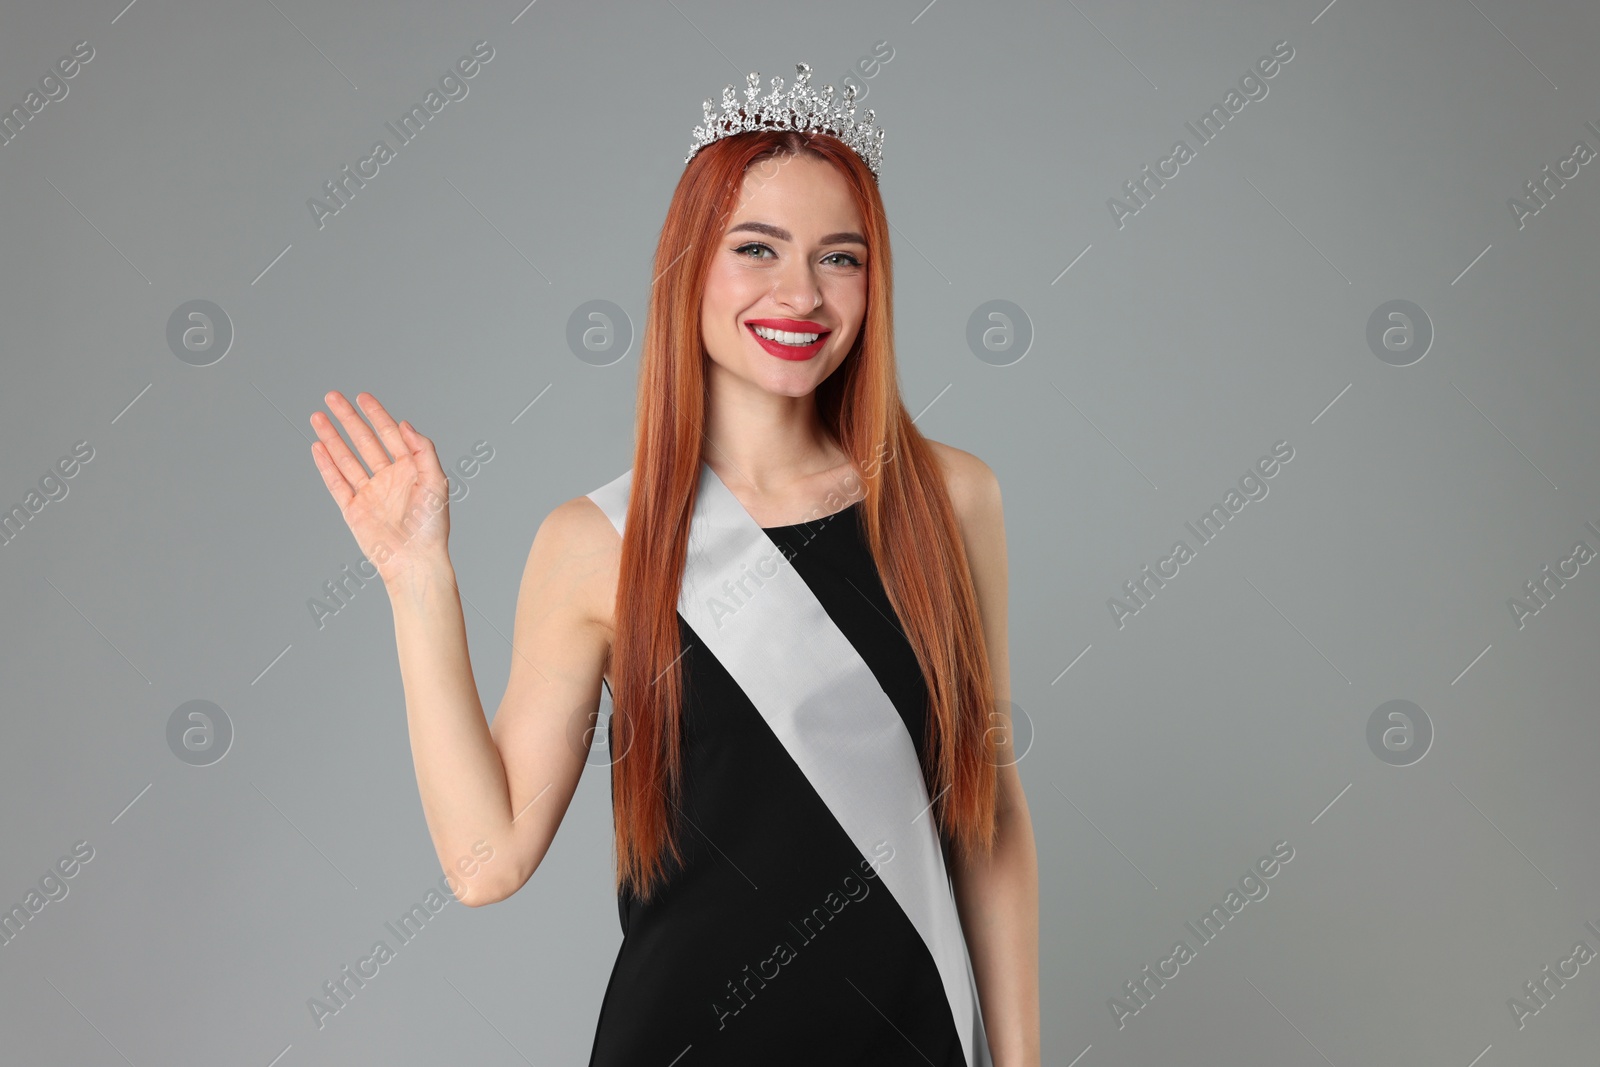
[494,795]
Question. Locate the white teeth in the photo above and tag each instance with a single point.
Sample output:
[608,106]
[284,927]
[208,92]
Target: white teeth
[785,337]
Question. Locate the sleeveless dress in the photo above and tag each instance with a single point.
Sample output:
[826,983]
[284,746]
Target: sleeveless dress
[775,943]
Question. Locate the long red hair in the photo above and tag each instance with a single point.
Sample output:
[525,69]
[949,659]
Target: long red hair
[910,525]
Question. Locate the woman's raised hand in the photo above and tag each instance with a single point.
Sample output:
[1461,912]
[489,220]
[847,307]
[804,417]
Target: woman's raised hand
[400,513]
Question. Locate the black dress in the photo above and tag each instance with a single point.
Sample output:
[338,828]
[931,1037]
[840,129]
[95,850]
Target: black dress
[775,943]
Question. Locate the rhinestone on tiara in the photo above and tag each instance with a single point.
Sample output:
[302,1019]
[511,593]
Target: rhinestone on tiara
[801,108]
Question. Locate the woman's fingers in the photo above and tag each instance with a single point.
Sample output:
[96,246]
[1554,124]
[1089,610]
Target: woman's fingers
[384,423]
[349,466]
[361,435]
[331,476]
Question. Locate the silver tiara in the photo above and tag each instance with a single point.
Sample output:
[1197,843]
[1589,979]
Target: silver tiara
[801,108]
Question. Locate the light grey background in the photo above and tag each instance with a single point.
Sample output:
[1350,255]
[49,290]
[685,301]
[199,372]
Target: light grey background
[1230,313]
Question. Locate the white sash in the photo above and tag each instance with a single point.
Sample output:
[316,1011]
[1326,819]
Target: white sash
[761,620]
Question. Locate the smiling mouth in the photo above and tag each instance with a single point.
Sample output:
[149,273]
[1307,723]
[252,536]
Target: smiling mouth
[788,344]
[787,337]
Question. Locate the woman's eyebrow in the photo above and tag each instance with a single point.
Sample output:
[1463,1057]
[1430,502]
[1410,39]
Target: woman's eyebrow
[781,234]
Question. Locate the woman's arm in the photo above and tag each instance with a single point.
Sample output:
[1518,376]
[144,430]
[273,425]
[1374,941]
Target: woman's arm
[492,798]
[998,897]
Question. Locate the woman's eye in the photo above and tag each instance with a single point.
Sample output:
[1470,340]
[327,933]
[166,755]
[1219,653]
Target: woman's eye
[758,250]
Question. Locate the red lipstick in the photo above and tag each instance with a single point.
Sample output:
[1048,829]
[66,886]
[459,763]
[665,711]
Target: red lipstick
[789,352]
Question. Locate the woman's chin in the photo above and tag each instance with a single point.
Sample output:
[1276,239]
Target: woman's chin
[772,375]
[790,379]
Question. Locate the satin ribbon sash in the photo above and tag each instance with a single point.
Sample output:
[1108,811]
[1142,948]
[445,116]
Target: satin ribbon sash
[761,620]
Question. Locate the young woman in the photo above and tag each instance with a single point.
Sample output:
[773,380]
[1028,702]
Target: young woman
[798,603]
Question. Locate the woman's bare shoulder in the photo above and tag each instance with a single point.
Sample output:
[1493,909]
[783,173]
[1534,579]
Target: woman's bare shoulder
[580,519]
[578,538]
[972,484]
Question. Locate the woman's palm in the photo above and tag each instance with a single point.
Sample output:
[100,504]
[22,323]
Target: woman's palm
[399,514]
